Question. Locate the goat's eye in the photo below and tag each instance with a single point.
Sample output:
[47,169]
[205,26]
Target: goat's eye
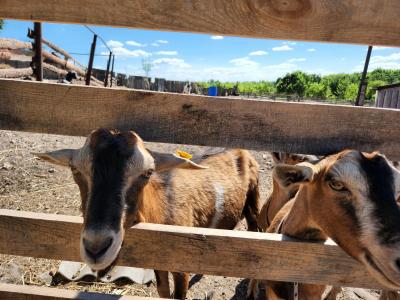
[147,174]
[337,186]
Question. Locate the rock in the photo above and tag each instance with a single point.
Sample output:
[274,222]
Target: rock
[46,277]
[10,273]
[51,170]
[6,166]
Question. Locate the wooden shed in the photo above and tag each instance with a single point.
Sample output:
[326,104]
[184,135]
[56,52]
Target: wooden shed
[388,96]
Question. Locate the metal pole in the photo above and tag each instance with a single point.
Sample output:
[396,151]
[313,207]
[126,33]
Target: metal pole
[91,58]
[363,83]
[112,70]
[108,69]
[38,66]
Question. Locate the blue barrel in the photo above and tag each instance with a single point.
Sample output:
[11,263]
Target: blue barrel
[213,91]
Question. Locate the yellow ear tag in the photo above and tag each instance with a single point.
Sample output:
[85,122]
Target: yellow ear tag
[184,154]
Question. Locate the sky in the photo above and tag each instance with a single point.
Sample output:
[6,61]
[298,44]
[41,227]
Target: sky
[201,57]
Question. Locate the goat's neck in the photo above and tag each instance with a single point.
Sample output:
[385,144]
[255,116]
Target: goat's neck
[298,222]
[148,205]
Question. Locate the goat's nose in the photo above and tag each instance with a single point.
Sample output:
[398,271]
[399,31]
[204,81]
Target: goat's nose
[97,246]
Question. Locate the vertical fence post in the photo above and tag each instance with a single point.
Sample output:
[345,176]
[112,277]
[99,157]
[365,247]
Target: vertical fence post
[108,69]
[363,83]
[37,59]
[112,70]
[91,58]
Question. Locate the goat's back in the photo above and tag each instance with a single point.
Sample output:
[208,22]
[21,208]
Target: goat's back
[213,197]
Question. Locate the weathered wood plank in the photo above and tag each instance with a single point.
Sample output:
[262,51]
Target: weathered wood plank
[370,22]
[199,120]
[27,292]
[195,250]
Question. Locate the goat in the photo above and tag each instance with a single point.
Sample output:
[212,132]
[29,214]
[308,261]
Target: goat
[351,198]
[123,183]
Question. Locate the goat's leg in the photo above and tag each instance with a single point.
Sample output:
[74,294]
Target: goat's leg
[389,295]
[181,285]
[252,208]
[332,294]
[253,289]
[162,284]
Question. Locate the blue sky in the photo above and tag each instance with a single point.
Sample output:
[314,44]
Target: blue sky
[186,56]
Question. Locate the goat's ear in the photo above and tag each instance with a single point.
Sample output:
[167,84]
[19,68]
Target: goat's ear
[287,175]
[59,157]
[167,161]
[277,157]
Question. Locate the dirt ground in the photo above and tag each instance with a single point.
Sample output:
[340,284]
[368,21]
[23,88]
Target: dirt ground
[29,184]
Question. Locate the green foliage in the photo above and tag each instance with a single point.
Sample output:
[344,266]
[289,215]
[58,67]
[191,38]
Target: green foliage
[292,83]
[1,24]
[351,91]
[317,90]
[338,87]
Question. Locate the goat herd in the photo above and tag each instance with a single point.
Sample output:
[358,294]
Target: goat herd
[351,197]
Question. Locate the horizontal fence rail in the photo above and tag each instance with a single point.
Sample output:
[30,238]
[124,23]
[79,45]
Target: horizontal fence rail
[26,292]
[371,22]
[198,120]
[185,249]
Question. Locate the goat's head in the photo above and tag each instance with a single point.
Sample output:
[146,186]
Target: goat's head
[112,169]
[351,197]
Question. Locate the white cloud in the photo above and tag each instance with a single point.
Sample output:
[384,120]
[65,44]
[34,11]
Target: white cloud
[162,41]
[112,43]
[176,62]
[243,61]
[134,43]
[123,52]
[217,37]
[296,59]
[247,72]
[388,58]
[155,44]
[258,53]
[289,43]
[167,52]
[311,49]
[391,61]
[239,70]
[381,48]
[282,48]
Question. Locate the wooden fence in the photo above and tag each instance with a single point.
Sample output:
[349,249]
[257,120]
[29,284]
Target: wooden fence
[177,118]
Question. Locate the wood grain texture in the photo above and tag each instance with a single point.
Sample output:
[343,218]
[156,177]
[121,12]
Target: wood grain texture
[199,120]
[25,292]
[372,22]
[185,249]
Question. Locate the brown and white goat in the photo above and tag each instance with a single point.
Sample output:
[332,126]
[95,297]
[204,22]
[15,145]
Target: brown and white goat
[349,197]
[281,195]
[122,183]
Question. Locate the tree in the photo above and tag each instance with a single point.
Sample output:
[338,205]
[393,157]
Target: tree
[1,24]
[351,92]
[292,83]
[147,65]
[317,90]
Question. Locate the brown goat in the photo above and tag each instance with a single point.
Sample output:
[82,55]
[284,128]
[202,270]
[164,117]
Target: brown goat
[122,183]
[351,198]
[281,195]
